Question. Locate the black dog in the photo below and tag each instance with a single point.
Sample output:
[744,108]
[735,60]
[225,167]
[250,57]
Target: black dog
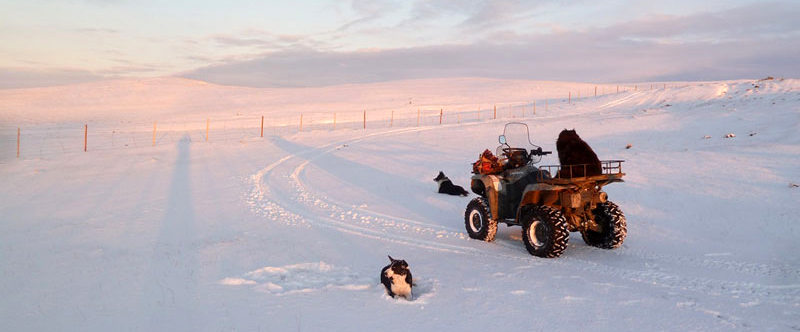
[572,150]
[447,187]
[396,277]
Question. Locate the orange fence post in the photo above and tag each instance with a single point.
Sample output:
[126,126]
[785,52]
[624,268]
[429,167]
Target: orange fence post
[262,126]
[595,91]
[534,107]
[441,112]
[85,137]
[365,119]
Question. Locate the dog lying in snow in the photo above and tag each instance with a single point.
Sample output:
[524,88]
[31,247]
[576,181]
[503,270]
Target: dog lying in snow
[447,187]
[396,277]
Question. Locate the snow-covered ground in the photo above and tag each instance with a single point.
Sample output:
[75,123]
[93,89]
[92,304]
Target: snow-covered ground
[290,231]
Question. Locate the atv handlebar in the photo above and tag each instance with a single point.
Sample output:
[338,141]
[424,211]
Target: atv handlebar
[536,152]
[539,152]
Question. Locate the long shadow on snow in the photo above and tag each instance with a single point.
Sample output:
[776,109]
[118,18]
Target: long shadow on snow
[170,291]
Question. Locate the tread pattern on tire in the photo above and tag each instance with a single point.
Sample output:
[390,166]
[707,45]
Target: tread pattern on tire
[482,205]
[557,225]
[616,221]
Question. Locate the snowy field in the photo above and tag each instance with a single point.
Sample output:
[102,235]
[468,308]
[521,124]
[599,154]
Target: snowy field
[290,231]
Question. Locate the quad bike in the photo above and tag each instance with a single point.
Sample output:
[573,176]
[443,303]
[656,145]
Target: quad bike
[547,206]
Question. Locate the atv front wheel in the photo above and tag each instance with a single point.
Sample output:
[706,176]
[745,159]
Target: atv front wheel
[478,220]
[544,231]
[612,222]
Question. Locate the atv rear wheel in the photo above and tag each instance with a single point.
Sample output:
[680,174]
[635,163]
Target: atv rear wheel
[544,231]
[478,220]
[612,222]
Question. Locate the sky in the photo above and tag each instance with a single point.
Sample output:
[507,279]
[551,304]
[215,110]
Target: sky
[317,43]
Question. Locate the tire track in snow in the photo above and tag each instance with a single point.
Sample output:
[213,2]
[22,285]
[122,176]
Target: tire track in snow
[298,209]
[620,101]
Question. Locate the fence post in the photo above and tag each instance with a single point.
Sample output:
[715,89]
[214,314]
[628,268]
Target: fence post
[154,132]
[595,91]
[208,123]
[365,119]
[441,112]
[534,107]
[85,136]
[262,126]
[17,142]
[617,88]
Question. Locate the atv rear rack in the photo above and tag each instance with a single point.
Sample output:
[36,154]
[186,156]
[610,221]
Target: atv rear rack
[612,172]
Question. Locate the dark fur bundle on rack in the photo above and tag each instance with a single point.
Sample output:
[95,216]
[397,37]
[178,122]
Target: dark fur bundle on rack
[572,150]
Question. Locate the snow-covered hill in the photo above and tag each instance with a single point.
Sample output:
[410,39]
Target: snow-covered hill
[289,231]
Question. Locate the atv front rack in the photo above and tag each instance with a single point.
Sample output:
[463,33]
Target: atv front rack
[612,171]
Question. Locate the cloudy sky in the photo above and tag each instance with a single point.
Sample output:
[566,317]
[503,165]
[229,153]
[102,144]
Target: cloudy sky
[312,43]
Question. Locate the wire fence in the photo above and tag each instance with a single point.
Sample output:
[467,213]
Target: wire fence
[43,140]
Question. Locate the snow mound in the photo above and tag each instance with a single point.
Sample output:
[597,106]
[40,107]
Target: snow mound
[299,278]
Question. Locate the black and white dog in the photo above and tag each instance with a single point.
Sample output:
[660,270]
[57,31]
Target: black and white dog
[396,277]
[447,187]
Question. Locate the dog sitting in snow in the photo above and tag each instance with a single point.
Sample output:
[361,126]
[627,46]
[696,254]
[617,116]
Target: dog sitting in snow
[447,187]
[396,277]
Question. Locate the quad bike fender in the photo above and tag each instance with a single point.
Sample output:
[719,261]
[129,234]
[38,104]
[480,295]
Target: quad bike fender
[480,183]
[488,186]
[492,193]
